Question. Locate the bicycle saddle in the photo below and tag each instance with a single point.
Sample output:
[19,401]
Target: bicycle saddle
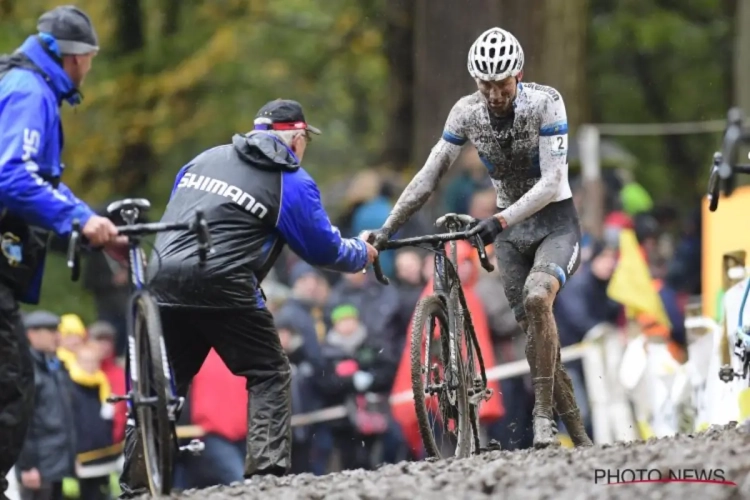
[459,220]
[141,204]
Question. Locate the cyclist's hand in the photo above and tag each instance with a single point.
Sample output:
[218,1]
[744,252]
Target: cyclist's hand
[100,231]
[372,253]
[376,237]
[488,229]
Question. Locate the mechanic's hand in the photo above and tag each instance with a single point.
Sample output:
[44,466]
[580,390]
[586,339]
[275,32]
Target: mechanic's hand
[488,229]
[31,479]
[100,231]
[362,381]
[376,237]
[372,253]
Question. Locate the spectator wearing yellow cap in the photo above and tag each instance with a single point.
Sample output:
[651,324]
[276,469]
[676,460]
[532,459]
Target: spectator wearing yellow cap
[73,333]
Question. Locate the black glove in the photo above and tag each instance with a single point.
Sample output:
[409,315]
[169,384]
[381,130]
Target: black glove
[488,229]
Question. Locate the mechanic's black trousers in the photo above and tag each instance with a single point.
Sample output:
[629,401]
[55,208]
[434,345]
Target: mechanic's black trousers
[16,384]
[247,342]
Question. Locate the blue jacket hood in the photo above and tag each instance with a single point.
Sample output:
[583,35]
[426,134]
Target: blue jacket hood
[56,77]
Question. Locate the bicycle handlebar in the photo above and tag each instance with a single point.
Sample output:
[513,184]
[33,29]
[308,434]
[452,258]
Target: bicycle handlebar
[433,239]
[723,170]
[199,226]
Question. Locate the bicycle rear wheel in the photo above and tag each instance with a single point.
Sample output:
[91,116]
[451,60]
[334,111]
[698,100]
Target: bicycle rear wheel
[151,381]
[442,412]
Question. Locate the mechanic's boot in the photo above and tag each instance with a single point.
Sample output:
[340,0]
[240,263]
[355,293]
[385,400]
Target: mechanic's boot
[545,430]
[134,478]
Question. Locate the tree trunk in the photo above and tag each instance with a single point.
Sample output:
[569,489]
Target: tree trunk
[553,37]
[399,50]
[443,33]
[137,159]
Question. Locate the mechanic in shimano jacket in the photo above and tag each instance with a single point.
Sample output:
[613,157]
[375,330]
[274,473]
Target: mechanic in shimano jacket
[34,81]
[257,198]
[520,132]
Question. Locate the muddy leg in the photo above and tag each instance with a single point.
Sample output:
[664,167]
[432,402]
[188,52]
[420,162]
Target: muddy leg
[565,404]
[542,349]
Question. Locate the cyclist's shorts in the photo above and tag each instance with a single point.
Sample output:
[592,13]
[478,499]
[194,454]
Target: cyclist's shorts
[549,241]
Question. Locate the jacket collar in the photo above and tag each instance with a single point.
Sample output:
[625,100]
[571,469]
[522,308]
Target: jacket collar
[57,79]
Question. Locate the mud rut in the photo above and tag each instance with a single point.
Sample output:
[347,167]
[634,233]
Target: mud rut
[528,474]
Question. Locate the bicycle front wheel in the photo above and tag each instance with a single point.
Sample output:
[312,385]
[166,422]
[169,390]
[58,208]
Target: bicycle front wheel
[152,388]
[442,408]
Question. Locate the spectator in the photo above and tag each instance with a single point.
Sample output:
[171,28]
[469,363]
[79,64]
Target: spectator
[410,285]
[490,411]
[305,398]
[305,306]
[472,177]
[357,364]
[580,306]
[48,454]
[222,416]
[97,451]
[367,207]
[108,281]
[303,314]
[684,272]
[73,335]
[102,336]
[514,429]
[378,308]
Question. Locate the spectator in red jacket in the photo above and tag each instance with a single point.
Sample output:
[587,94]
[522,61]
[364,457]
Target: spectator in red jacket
[219,406]
[102,334]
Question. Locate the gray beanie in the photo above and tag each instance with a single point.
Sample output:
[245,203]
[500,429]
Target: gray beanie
[72,28]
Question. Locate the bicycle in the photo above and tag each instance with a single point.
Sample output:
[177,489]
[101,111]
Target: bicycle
[455,374]
[151,391]
[722,180]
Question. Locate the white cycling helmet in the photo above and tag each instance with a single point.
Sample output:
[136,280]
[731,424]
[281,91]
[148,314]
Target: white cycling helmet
[495,55]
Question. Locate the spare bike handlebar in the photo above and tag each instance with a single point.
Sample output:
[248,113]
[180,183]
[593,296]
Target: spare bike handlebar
[198,225]
[723,170]
[433,239]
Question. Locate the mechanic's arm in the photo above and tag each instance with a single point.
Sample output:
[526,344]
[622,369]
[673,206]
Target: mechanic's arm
[22,191]
[553,163]
[423,184]
[304,224]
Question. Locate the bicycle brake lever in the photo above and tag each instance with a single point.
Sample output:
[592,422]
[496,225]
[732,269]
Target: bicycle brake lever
[483,259]
[376,267]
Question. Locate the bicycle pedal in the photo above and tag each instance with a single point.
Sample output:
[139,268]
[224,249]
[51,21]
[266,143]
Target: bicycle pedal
[727,374]
[117,399]
[488,394]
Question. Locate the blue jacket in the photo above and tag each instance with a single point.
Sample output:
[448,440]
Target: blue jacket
[31,142]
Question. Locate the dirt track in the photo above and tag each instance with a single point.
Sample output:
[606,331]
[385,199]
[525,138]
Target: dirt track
[548,474]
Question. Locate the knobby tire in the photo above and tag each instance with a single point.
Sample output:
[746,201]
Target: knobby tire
[154,425]
[430,309]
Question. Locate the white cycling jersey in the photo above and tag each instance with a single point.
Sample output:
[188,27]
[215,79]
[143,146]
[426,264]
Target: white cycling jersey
[525,153]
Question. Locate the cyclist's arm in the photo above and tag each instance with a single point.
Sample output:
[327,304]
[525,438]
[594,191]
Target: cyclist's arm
[553,162]
[304,224]
[22,190]
[425,182]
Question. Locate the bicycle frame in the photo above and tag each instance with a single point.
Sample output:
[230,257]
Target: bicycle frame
[445,282]
[137,271]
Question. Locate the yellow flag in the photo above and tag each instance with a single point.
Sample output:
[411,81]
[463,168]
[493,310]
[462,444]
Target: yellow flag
[631,283]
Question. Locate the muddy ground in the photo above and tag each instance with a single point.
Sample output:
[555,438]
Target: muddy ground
[546,474]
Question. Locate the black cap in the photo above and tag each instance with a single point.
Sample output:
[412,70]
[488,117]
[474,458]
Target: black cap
[283,114]
[41,319]
[72,28]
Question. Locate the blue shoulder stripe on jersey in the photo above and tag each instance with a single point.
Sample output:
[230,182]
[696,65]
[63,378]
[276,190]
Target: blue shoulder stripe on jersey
[453,138]
[557,128]
[487,164]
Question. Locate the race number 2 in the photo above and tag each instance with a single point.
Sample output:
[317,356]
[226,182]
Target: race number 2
[560,144]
